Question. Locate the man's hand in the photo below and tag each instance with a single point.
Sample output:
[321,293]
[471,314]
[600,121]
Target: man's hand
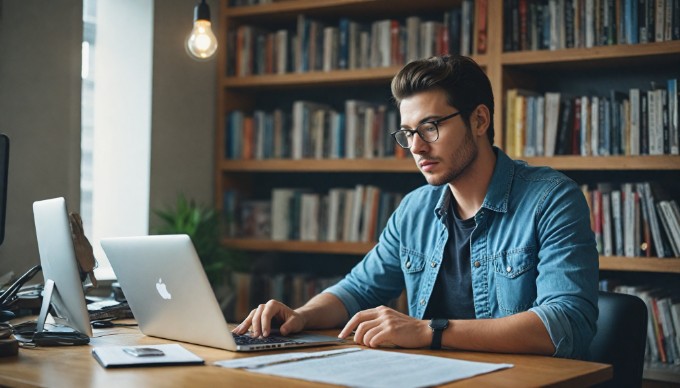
[384,325]
[261,320]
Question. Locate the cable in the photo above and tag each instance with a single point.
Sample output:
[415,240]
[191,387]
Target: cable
[10,295]
[107,323]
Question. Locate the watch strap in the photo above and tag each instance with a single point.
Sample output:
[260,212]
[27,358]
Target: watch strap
[438,326]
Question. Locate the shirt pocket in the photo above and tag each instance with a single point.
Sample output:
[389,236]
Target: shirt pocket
[516,274]
[411,261]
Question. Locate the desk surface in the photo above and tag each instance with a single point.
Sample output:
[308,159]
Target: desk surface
[75,367]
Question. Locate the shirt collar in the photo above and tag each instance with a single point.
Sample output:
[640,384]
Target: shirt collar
[497,195]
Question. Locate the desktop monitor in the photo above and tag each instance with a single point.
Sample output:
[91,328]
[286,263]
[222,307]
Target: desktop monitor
[59,264]
[4,164]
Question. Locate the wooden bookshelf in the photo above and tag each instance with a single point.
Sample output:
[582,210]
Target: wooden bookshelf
[288,10]
[322,165]
[527,69]
[313,79]
[564,163]
[620,163]
[613,263]
[622,55]
[299,246]
[640,264]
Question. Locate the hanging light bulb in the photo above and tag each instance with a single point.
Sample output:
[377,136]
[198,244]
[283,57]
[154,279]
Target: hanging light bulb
[202,43]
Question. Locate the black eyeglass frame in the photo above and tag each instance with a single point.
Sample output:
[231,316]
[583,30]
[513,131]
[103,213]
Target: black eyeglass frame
[412,131]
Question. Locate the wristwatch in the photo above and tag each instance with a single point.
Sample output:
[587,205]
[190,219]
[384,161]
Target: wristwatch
[438,325]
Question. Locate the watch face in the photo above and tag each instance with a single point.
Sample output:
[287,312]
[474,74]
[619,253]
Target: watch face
[439,324]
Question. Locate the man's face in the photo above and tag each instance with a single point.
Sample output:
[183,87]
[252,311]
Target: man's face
[448,158]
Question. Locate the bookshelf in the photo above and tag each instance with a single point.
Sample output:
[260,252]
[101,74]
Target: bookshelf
[542,70]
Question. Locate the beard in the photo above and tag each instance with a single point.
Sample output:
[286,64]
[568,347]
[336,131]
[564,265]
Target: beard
[462,158]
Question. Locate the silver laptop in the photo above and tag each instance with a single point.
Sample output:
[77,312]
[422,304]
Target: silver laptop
[170,297]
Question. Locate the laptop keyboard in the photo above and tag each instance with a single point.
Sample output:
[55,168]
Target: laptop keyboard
[245,339]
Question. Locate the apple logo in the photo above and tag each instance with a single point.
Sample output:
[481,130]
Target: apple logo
[162,289]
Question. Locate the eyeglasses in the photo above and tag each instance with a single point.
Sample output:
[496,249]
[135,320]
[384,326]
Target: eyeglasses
[428,131]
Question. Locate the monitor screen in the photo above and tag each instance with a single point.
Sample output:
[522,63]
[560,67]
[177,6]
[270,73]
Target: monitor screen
[4,163]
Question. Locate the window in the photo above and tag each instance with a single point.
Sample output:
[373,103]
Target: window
[116,120]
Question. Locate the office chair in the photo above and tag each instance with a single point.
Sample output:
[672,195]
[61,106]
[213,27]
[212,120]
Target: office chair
[620,338]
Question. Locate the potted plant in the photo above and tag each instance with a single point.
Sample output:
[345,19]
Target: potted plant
[201,224]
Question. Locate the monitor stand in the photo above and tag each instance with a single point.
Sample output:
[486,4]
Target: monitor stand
[45,307]
[54,338]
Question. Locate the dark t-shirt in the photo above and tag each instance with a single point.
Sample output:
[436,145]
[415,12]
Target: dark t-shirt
[452,294]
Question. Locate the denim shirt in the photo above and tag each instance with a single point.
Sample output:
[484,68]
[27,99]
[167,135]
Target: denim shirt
[532,249]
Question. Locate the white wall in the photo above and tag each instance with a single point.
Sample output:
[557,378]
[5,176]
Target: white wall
[182,145]
[40,45]
[40,111]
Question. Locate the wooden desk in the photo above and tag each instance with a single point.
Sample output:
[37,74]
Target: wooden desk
[75,367]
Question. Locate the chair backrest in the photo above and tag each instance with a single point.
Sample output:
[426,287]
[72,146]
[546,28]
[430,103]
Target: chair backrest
[620,338]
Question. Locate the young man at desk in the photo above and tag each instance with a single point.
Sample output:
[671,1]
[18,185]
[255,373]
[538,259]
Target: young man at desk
[494,255]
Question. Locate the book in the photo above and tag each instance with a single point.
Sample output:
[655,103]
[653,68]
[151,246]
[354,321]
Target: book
[595,126]
[634,139]
[309,216]
[617,221]
[348,223]
[256,220]
[597,219]
[629,222]
[655,121]
[565,127]
[604,141]
[552,120]
[466,36]
[357,217]
[530,127]
[308,123]
[675,316]
[607,222]
[539,126]
[455,26]
[585,128]
[335,196]
[673,115]
[671,224]
[510,113]
[618,141]
[330,48]
[650,211]
[354,127]
[644,124]
[412,38]
[280,228]
[370,213]
[481,10]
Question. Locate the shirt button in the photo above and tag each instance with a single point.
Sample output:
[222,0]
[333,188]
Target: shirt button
[408,264]
[477,264]
[422,302]
[434,264]
[508,269]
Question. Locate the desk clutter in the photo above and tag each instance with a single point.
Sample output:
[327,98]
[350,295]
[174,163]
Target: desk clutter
[356,367]
[8,346]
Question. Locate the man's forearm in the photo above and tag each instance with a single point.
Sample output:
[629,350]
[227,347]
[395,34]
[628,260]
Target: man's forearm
[519,333]
[323,311]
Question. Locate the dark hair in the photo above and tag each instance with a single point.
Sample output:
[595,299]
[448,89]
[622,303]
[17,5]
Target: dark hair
[464,82]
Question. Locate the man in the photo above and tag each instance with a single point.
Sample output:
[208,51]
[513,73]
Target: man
[494,255]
